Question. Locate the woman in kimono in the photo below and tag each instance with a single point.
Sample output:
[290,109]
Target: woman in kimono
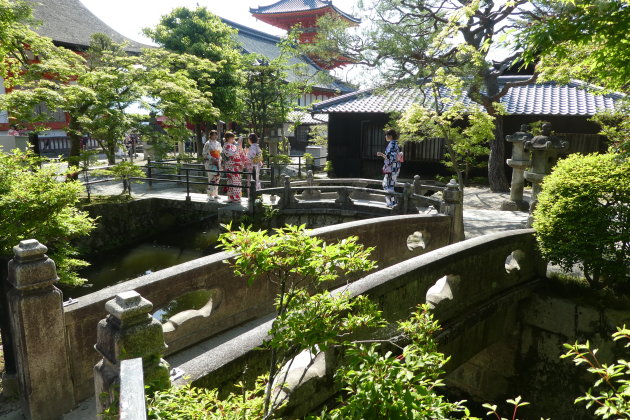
[391,166]
[254,159]
[233,162]
[212,160]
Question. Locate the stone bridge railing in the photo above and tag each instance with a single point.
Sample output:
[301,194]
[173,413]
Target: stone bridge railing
[55,344]
[352,196]
[473,286]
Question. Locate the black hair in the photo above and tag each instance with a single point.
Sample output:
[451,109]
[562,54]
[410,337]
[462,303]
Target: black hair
[253,138]
[392,133]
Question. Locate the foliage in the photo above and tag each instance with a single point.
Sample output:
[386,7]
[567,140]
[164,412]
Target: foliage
[280,160]
[615,125]
[297,263]
[466,131]
[582,39]
[271,86]
[202,34]
[309,159]
[34,204]
[583,217]
[318,134]
[378,385]
[123,171]
[18,42]
[516,402]
[191,403]
[610,394]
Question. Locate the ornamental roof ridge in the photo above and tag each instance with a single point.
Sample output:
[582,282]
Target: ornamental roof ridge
[291,6]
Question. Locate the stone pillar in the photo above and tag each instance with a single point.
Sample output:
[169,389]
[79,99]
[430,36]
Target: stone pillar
[129,331]
[545,150]
[407,191]
[288,199]
[310,194]
[39,335]
[519,162]
[453,207]
[417,186]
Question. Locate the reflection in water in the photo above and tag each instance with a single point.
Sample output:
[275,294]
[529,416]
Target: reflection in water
[191,300]
[167,249]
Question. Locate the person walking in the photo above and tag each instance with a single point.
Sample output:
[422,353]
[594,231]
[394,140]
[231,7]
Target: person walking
[254,159]
[212,162]
[234,159]
[391,166]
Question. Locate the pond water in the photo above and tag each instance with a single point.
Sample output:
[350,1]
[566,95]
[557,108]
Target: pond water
[165,250]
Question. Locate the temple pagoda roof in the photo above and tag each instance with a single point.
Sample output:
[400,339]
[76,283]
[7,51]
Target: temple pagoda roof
[292,7]
[70,24]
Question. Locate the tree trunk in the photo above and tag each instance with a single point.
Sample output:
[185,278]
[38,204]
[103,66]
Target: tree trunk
[496,162]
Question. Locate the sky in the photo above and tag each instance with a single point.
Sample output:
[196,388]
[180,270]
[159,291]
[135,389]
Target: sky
[129,16]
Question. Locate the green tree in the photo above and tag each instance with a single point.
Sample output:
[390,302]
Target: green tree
[297,263]
[201,33]
[583,217]
[465,129]
[581,39]
[172,82]
[410,41]
[34,204]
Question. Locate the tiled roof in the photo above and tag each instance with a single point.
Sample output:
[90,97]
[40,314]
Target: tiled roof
[257,42]
[70,23]
[290,6]
[548,98]
[306,118]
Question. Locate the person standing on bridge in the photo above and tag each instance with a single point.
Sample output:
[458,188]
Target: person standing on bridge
[234,159]
[212,161]
[391,166]
[254,159]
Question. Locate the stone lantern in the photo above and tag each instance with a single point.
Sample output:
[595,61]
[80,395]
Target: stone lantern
[519,162]
[545,150]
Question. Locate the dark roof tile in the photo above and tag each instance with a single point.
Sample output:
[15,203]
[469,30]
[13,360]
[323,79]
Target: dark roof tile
[547,98]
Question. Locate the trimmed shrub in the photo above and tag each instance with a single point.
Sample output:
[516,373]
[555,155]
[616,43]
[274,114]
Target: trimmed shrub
[583,217]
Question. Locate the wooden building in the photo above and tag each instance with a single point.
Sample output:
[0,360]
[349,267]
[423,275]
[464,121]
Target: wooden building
[356,122]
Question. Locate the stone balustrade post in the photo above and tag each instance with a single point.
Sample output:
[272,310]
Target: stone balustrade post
[519,162]
[407,191]
[39,335]
[310,182]
[343,197]
[453,206]
[128,332]
[417,185]
[288,198]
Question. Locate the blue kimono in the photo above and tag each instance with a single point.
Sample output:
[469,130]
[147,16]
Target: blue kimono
[391,169]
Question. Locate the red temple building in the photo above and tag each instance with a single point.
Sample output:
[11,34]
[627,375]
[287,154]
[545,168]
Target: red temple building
[286,14]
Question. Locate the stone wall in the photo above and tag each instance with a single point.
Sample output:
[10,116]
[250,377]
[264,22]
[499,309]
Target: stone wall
[120,224]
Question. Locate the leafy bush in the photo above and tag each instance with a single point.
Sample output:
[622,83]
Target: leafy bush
[610,393]
[34,203]
[583,217]
[385,386]
[280,160]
